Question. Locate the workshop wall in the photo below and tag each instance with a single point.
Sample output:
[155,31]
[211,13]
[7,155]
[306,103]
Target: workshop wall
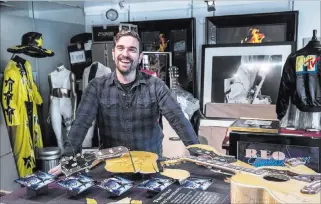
[309,15]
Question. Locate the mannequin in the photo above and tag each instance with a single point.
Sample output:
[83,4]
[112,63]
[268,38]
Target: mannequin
[63,99]
[96,69]
[295,118]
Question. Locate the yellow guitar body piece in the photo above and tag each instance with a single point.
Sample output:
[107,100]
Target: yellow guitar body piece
[177,174]
[144,162]
[122,201]
[136,202]
[91,201]
[246,188]
[127,200]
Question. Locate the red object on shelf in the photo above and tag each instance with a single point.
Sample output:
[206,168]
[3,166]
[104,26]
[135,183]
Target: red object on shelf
[149,72]
[300,132]
[312,134]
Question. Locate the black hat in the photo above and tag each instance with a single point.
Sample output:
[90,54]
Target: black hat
[31,44]
[81,38]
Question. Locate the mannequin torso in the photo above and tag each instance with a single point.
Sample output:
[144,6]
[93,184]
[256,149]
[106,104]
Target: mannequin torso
[62,101]
[60,78]
[96,69]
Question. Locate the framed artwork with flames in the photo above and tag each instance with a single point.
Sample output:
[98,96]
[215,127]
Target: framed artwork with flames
[252,28]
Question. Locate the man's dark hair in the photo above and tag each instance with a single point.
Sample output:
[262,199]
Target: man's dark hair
[131,33]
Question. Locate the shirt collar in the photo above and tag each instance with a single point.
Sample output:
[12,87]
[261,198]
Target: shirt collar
[113,79]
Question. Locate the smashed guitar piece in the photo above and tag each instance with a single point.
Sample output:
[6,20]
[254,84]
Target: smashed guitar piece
[177,174]
[210,152]
[205,148]
[135,162]
[136,202]
[71,165]
[91,201]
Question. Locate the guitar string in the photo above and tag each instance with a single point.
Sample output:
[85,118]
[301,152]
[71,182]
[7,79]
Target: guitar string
[131,158]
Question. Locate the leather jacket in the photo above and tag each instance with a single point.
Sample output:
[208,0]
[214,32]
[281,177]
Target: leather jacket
[301,81]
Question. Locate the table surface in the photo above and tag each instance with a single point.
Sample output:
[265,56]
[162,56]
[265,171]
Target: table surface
[57,194]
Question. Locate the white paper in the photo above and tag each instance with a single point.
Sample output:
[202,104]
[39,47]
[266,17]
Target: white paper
[258,122]
[77,57]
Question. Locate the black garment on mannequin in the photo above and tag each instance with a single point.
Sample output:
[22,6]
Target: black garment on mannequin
[301,80]
[92,75]
[93,71]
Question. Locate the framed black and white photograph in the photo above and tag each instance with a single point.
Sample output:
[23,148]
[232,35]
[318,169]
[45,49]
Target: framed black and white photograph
[238,73]
[252,28]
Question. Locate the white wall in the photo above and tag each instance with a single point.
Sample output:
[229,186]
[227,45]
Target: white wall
[309,15]
[72,15]
[309,18]
[11,30]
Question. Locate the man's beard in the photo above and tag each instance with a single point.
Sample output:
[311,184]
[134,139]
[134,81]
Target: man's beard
[132,67]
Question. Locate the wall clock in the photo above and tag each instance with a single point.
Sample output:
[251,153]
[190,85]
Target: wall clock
[111,14]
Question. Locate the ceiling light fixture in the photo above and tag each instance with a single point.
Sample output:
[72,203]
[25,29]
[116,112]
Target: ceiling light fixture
[121,5]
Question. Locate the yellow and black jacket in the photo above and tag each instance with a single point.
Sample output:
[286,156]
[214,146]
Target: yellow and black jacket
[19,90]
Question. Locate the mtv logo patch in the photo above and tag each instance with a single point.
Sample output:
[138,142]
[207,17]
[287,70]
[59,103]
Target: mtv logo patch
[307,64]
[299,67]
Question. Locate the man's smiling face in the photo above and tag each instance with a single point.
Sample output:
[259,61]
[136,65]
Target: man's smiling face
[126,54]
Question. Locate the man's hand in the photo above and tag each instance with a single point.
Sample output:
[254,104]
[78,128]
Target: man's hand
[55,171]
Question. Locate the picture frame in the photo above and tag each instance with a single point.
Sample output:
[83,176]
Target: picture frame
[104,33]
[77,57]
[244,144]
[180,39]
[158,62]
[128,26]
[252,28]
[260,154]
[227,74]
